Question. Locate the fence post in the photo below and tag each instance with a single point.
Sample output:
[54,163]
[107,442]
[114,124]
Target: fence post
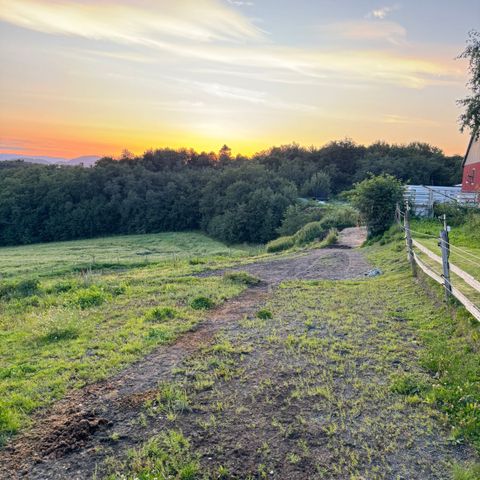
[445,246]
[408,237]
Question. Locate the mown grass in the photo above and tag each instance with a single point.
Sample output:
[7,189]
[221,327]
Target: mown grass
[66,330]
[119,252]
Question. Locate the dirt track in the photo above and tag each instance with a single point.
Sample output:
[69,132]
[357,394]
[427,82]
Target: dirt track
[65,439]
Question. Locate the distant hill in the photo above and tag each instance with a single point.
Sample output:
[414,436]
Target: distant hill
[86,160]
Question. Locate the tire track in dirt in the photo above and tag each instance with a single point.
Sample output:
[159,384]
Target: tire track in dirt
[65,438]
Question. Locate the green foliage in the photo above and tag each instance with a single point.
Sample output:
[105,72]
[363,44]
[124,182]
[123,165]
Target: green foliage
[471,472]
[162,457]
[376,199]
[89,297]
[341,217]
[59,334]
[19,289]
[332,215]
[470,118]
[318,186]
[242,278]
[331,238]
[280,244]
[245,203]
[202,303]
[456,213]
[264,314]
[234,199]
[407,384]
[310,232]
[160,314]
[451,353]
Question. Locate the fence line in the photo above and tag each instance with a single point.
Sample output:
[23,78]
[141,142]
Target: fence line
[443,279]
[466,277]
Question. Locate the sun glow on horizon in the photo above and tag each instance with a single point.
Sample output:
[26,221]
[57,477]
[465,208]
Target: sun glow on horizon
[91,77]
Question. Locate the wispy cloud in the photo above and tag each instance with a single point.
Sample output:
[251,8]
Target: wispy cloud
[219,36]
[368,30]
[382,12]
[127,21]
[250,96]
[240,3]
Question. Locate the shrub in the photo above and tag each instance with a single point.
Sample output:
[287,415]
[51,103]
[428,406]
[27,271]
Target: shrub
[318,186]
[331,238]
[19,289]
[89,297]
[340,218]
[243,278]
[376,199]
[264,314]
[160,314]
[298,215]
[407,384]
[63,287]
[280,244]
[456,214]
[310,232]
[202,303]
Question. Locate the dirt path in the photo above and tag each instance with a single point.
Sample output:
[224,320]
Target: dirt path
[70,438]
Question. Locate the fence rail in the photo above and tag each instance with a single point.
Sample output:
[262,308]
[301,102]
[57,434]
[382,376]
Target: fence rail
[443,279]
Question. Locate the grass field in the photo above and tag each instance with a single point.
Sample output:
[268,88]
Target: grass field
[344,379]
[127,251]
[74,312]
[371,378]
[464,252]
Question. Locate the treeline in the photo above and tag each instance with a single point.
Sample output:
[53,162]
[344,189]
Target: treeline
[235,199]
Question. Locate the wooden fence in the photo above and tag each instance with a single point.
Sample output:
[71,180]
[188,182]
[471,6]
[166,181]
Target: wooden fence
[444,261]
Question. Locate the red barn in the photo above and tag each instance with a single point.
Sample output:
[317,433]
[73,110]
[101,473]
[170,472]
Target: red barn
[471,167]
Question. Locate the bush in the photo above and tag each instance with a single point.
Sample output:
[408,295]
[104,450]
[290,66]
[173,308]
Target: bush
[331,238]
[340,218]
[20,289]
[376,199]
[310,232]
[89,297]
[63,286]
[280,244]
[202,303]
[160,314]
[264,314]
[243,278]
[298,215]
[456,214]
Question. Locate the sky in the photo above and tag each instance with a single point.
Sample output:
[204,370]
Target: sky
[98,76]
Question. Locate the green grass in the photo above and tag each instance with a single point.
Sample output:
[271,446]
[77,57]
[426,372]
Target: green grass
[126,251]
[68,329]
[464,252]
[452,345]
[352,379]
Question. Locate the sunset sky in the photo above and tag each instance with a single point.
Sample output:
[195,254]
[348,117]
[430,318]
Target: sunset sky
[97,76]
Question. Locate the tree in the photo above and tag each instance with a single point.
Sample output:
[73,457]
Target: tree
[318,186]
[376,199]
[470,118]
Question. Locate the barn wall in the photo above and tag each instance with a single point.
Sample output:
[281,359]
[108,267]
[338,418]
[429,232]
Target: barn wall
[471,177]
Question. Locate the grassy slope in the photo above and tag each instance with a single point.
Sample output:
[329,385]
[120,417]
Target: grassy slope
[79,327]
[464,253]
[127,251]
[347,380]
